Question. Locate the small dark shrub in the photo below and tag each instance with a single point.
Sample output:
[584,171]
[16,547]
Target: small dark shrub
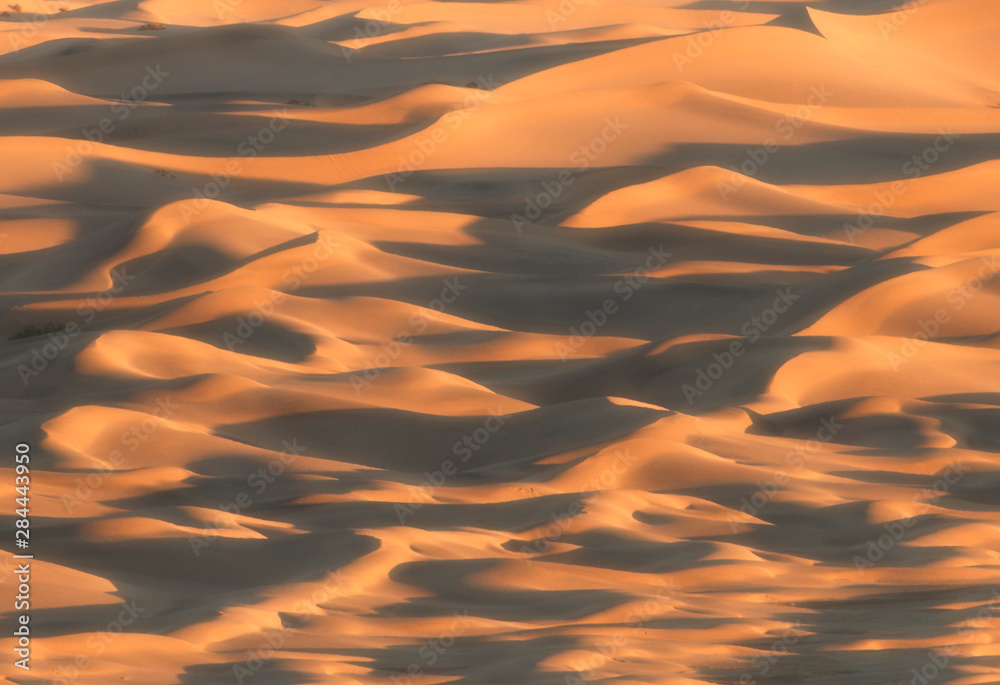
[31,331]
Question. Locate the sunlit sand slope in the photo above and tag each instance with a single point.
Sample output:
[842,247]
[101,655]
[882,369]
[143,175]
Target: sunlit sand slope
[504,343]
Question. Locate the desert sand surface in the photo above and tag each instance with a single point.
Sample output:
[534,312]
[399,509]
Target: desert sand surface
[502,343]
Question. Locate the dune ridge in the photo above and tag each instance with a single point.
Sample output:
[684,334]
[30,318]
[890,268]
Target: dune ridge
[504,343]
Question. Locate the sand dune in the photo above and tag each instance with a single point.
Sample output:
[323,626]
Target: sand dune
[502,343]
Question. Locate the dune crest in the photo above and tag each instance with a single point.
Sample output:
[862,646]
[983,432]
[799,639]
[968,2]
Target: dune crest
[538,342]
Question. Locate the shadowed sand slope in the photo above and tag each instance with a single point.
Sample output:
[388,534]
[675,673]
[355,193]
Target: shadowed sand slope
[508,343]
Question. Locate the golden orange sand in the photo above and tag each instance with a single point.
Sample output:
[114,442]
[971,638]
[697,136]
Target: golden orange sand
[500,343]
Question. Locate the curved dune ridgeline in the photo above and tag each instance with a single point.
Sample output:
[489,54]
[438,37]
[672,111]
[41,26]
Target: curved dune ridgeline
[503,343]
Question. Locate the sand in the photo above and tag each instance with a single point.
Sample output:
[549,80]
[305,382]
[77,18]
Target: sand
[498,343]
